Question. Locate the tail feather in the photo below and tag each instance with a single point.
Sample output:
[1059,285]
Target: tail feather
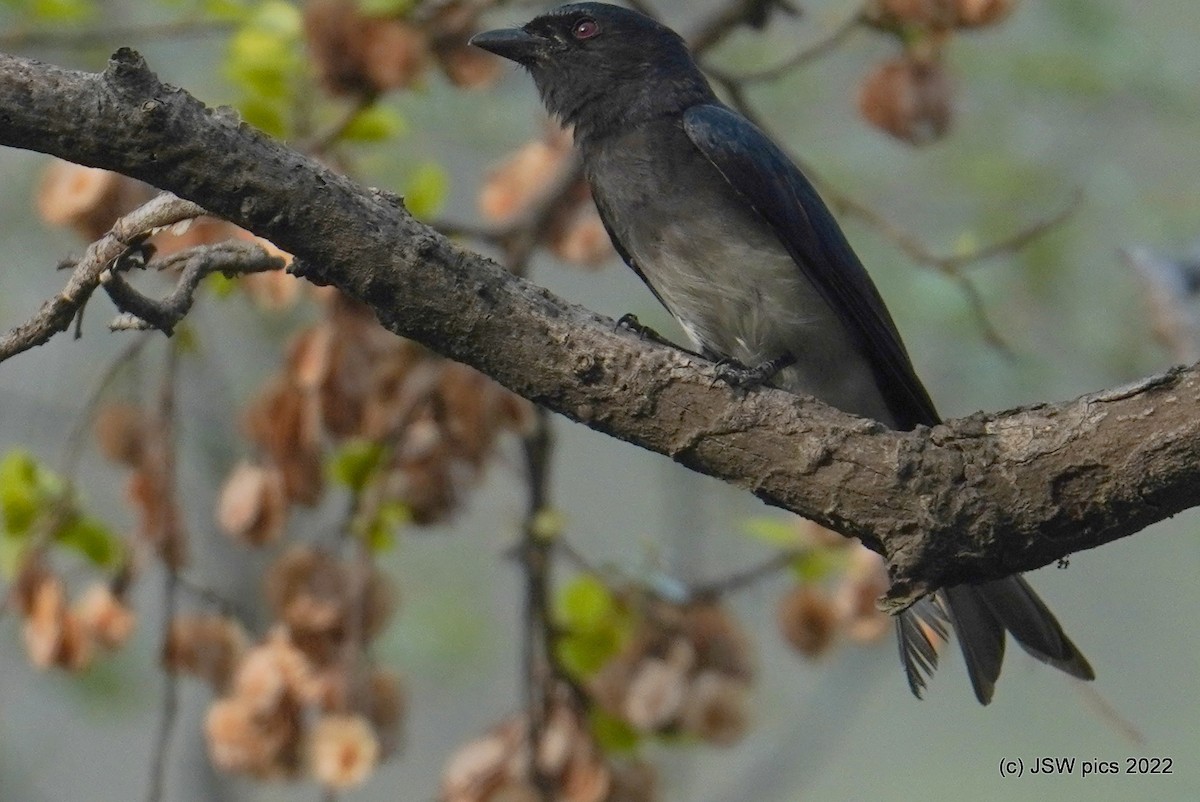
[1035,628]
[981,614]
[980,636]
[917,629]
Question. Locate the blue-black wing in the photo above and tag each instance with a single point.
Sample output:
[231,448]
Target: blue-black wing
[779,192]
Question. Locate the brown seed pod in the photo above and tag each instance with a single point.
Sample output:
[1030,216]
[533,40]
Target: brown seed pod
[916,13]
[583,240]
[522,178]
[106,618]
[909,98]
[808,620]
[980,13]
[244,741]
[360,55]
[343,751]
[209,647]
[121,430]
[86,199]
[252,507]
[716,709]
[720,642]
[655,694]
[45,619]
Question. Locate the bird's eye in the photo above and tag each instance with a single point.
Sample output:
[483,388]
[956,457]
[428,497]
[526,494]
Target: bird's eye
[585,29]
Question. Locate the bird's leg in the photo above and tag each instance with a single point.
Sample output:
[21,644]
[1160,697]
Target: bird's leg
[741,377]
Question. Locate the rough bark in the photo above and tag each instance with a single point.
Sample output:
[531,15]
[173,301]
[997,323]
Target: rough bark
[975,498]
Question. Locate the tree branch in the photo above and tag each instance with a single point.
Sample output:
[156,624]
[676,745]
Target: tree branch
[57,313]
[972,499]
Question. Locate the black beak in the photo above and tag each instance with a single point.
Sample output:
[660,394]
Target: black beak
[510,43]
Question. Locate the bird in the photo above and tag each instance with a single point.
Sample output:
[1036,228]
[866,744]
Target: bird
[735,242]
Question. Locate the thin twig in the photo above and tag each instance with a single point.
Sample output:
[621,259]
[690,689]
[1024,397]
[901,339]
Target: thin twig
[745,578]
[170,703]
[196,263]
[73,448]
[730,17]
[801,58]
[223,604]
[320,142]
[538,639]
[56,313]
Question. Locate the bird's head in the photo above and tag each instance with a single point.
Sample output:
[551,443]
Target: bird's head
[599,66]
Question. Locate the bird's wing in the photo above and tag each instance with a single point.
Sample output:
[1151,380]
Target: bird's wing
[761,172]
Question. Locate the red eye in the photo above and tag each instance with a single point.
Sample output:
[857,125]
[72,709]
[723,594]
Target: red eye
[585,29]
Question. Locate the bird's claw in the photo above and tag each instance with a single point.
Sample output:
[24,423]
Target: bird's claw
[630,322]
[740,377]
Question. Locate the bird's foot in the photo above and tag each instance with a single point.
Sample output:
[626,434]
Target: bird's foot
[630,322]
[740,377]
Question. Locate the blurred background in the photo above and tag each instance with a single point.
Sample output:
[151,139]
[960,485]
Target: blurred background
[1095,99]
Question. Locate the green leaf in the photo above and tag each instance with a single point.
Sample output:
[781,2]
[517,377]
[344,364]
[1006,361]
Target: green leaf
[93,539]
[266,115]
[781,532]
[228,10]
[265,61]
[596,625]
[426,189]
[816,564]
[612,734]
[375,124]
[20,507]
[261,62]
[385,8]
[63,10]
[586,605]
[354,464]
[380,532]
[221,285]
[21,493]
